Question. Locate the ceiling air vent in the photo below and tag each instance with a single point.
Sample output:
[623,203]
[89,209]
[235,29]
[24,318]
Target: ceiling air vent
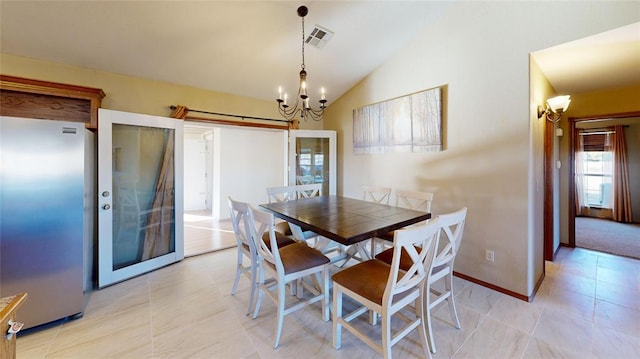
[319,37]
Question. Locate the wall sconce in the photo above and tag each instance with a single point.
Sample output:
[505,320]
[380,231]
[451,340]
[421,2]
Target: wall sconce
[554,107]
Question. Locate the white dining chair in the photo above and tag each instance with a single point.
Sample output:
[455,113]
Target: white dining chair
[239,220]
[359,251]
[452,227]
[376,194]
[239,212]
[388,290]
[414,200]
[288,193]
[308,190]
[288,265]
[281,194]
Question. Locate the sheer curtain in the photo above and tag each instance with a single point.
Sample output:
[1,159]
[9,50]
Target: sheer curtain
[621,193]
[581,208]
[607,168]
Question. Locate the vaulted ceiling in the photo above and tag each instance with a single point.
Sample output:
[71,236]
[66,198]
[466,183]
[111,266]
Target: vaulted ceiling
[250,48]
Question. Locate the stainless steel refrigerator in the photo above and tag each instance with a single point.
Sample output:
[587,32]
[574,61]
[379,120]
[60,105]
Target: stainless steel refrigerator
[47,216]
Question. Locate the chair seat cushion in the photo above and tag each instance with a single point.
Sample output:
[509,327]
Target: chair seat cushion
[281,239]
[405,261]
[283,227]
[388,236]
[369,279]
[298,256]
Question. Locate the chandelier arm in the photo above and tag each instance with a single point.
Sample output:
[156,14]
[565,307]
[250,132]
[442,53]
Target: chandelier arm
[315,115]
[287,112]
[317,112]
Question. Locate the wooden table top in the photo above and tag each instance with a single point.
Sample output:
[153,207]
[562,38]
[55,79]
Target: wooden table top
[345,220]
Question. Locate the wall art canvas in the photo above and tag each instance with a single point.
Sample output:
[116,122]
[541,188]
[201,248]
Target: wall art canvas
[411,123]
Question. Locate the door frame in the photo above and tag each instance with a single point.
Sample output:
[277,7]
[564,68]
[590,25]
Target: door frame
[572,167]
[329,134]
[106,274]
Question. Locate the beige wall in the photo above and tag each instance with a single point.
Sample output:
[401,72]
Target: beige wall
[491,163]
[540,91]
[131,94]
[234,147]
[590,104]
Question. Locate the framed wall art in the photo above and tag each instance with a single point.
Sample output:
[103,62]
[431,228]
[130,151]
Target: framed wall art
[411,123]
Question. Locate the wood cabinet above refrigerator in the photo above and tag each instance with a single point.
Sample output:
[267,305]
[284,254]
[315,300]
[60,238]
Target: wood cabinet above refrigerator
[22,97]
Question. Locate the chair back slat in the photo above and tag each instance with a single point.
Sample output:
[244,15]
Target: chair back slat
[308,190]
[419,201]
[280,194]
[261,223]
[289,193]
[408,240]
[239,220]
[376,194]
[452,227]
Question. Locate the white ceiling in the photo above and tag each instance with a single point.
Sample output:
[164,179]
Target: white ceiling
[607,60]
[249,48]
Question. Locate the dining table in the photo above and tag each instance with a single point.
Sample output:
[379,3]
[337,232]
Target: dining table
[345,220]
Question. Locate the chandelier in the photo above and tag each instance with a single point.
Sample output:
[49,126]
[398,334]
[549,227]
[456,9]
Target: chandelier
[301,102]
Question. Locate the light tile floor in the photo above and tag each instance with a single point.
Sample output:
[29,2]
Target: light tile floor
[587,307]
[203,234]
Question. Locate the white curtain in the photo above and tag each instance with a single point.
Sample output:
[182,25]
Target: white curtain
[607,195]
[581,198]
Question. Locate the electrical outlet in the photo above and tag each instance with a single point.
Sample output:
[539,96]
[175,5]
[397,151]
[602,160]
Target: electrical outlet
[489,256]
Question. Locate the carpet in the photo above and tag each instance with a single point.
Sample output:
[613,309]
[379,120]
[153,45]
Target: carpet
[607,236]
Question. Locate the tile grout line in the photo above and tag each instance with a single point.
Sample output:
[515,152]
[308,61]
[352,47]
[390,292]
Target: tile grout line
[531,336]
[153,349]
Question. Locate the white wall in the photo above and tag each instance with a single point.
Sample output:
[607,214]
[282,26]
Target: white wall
[249,161]
[480,50]
[195,174]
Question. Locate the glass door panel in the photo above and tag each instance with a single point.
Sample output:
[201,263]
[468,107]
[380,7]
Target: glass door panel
[312,159]
[140,183]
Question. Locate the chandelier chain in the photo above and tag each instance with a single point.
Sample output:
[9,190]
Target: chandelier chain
[303,43]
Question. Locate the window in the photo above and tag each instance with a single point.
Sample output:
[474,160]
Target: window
[305,164]
[598,173]
[597,168]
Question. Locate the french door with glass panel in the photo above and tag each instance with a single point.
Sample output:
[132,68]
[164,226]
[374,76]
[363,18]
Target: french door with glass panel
[140,194]
[312,158]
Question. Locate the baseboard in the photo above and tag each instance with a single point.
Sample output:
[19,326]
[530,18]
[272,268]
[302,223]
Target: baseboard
[495,287]
[535,289]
